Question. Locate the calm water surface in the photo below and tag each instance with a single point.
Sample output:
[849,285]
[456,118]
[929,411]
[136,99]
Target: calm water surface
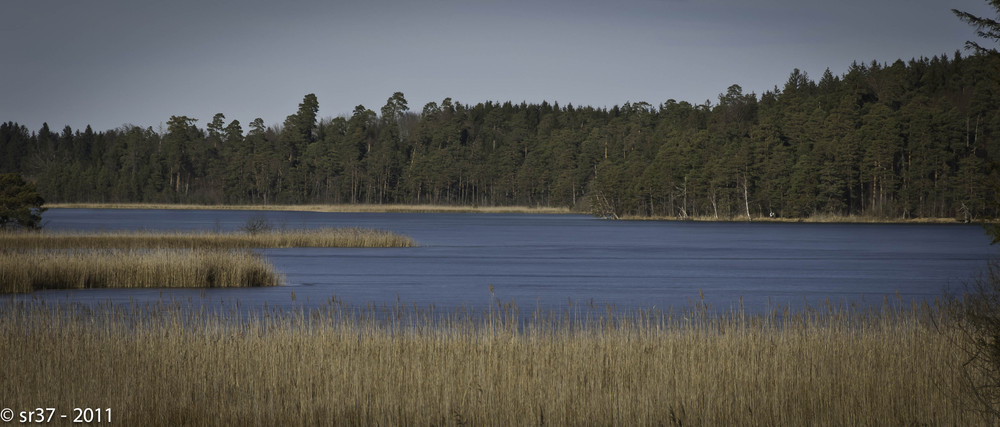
[548,260]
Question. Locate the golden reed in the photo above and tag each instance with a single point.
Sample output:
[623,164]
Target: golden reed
[281,238]
[142,259]
[342,365]
[26,271]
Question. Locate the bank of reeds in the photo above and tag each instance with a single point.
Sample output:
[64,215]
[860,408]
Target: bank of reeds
[397,366]
[277,238]
[27,271]
[142,259]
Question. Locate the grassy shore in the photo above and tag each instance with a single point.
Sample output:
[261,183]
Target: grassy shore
[387,208]
[398,366]
[27,271]
[287,238]
[853,219]
[393,208]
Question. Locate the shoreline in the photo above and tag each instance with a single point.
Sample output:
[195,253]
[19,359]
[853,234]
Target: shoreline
[820,219]
[403,208]
[338,208]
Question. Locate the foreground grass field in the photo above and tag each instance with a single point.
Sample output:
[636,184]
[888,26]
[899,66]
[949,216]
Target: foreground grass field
[340,365]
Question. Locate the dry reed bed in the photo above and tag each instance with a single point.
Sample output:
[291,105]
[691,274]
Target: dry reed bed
[337,366]
[27,271]
[284,238]
[41,260]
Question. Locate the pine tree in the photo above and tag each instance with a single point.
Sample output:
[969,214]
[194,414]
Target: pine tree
[987,28]
[20,203]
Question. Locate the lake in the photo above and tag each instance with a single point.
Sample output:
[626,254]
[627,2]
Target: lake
[548,261]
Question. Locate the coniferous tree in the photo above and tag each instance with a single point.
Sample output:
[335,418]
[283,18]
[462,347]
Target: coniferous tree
[913,139]
[20,203]
[987,28]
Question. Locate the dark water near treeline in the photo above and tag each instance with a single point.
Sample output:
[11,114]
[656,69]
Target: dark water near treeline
[547,261]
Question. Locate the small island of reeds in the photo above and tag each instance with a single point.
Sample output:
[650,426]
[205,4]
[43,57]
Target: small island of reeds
[32,261]
[277,238]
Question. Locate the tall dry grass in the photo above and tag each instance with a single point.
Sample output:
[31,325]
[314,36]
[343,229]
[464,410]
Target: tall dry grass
[397,366]
[27,271]
[139,259]
[280,238]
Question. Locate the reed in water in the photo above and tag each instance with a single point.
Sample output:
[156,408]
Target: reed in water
[31,270]
[275,238]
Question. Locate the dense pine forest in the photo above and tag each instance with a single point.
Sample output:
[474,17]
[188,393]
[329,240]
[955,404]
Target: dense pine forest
[902,140]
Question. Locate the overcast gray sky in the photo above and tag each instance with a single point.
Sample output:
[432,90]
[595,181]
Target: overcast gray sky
[108,63]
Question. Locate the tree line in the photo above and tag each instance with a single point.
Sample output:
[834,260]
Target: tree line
[900,140]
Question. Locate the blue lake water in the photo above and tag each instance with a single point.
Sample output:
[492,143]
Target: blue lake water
[548,260]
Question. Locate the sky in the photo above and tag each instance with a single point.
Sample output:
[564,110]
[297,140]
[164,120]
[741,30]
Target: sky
[117,62]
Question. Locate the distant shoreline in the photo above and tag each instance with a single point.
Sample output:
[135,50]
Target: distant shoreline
[818,219]
[400,208]
[344,208]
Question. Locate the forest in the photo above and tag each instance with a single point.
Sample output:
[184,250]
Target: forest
[915,139]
